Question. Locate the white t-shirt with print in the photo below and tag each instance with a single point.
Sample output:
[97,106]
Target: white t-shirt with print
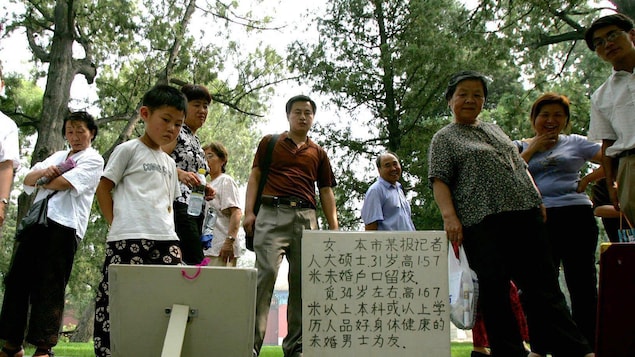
[146,184]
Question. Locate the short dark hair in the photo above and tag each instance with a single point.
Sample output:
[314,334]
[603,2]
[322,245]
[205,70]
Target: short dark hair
[196,92]
[622,21]
[550,98]
[84,117]
[462,76]
[220,151]
[378,160]
[165,95]
[300,98]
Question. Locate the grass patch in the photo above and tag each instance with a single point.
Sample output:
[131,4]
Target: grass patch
[68,349]
[85,349]
[458,349]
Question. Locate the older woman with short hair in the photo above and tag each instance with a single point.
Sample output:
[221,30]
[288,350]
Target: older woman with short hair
[489,204]
[188,154]
[227,245]
[43,256]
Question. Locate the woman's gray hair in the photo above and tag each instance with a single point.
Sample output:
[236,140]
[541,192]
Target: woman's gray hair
[462,76]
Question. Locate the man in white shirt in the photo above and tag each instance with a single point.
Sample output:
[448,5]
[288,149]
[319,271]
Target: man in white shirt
[9,156]
[612,37]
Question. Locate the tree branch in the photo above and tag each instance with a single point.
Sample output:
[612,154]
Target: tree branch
[239,20]
[38,51]
[87,68]
[546,40]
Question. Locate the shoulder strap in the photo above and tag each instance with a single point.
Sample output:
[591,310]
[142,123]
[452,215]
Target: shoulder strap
[265,170]
[272,143]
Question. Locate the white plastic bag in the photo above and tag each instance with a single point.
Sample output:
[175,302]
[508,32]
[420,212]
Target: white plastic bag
[626,234]
[463,290]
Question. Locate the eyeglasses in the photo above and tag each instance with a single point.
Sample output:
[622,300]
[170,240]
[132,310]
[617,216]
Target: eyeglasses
[610,37]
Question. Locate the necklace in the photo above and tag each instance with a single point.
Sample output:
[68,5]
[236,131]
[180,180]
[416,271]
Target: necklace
[163,172]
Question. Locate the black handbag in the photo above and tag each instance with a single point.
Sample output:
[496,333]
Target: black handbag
[249,239]
[37,214]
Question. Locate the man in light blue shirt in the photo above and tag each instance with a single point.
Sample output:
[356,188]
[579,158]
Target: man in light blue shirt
[385,206]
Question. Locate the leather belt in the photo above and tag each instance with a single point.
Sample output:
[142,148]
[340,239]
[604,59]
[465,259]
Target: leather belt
[292,202]
[626,153]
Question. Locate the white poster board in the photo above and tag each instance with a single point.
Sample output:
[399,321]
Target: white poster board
[375,294]
[222,302]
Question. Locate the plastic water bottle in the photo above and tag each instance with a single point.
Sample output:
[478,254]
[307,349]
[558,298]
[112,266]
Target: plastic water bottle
[197,197]
[208,228]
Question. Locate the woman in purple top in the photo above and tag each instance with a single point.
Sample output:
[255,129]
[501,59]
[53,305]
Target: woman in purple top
[490,205]
[555,161]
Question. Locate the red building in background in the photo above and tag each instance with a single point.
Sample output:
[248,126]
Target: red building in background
[277,321]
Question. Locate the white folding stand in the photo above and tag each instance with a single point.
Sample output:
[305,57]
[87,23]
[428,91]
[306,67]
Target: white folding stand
[173,342]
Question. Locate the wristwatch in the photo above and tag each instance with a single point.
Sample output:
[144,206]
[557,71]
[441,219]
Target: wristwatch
[4,200]
[231,238]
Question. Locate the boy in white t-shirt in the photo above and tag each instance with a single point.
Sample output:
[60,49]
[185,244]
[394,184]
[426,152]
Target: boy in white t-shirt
[135,195]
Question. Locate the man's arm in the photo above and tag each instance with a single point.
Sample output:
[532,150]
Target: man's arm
[250,201]
[327,198]
[371,226]
[609,172]
[6,179]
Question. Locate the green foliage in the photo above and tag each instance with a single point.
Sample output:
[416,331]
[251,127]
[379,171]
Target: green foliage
[383,64]
[135,45]
[392,59]
[23,103]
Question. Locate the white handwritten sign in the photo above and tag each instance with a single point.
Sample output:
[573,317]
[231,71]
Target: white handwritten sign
[375,293]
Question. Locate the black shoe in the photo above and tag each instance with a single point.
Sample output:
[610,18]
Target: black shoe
[13,352]
[43,352]
[478,354]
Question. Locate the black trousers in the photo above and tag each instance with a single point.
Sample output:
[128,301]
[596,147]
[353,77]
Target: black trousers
[40,268]
[573,235]
[513,246]
[189,229]
[128,251]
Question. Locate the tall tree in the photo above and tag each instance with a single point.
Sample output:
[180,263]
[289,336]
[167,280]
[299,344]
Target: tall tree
[136,45]
[390,60]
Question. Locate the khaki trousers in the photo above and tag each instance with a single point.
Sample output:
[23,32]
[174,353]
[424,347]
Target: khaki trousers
[626,186]
[279,234]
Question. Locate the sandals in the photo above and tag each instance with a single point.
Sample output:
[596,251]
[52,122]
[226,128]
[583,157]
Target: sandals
[43,352]
[15,352]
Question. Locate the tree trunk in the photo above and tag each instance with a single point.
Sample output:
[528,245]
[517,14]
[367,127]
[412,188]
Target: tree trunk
[84,330]
[61,73]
